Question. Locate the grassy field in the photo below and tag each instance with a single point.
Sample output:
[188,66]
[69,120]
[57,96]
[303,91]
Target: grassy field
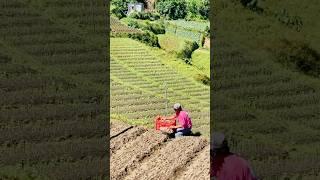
[118,27]
[139,80]
[50,54]
[201,60]
[171,43]
[269,111]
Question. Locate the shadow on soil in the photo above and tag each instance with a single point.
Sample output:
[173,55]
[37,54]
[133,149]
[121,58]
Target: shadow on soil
[192,134]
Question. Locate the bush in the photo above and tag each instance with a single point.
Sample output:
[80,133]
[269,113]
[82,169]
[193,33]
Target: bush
[134,24]
[156,28]
[300,56]
[118,13]
[145,16]
[172,9]
[148,38]
[187,50]
[202,78]
[252,4]
[294,22]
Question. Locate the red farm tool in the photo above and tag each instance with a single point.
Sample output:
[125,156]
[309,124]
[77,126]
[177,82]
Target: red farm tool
[161,123]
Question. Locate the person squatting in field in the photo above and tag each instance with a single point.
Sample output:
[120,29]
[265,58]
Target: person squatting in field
[226,165]
[185,124]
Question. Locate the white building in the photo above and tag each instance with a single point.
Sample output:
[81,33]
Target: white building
[138,7]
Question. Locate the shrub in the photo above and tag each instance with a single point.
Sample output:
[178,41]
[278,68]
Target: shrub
[294,22]
[252,4]
[118,13]
[203,79]
[187,50]
[134,24]
[156,28]
[148,38]
[145,16]
[300,56]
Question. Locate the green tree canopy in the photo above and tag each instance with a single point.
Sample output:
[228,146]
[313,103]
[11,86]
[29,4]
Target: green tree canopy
[172,9]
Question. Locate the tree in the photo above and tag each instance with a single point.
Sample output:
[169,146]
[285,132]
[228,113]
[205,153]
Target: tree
[172,9]
[121,7]
[204,9]
[198,9]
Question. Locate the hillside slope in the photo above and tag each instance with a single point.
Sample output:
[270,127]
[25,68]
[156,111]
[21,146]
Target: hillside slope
[48,127]
[139,81]
[269,111]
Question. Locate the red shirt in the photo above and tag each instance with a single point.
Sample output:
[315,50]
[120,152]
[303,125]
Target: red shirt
[231,167]
[184,119]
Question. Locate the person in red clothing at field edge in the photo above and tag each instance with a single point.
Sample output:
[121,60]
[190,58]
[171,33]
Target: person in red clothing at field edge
[185,124]
[226,165]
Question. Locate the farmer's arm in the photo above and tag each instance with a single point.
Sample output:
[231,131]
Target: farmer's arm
[170,117]
[175,127]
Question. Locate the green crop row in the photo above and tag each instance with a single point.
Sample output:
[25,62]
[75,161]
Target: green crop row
[48,124]
[187,34]
[191,25]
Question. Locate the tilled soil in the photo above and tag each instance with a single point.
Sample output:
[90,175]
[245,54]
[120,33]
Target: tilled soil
[131,153]
[140,154]
[173,156]
[119,141]
[199,167]
[118,127]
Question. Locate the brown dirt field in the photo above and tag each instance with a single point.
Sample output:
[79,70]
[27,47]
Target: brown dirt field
[119,141]
[117,127]
[131,153]
[201,164]
[173,156]
[140,154]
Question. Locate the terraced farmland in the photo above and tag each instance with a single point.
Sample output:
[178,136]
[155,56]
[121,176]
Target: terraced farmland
[193,25]
[269,113]
[138,81]
[187,29]
[118,27]
[87,18]
[48,127]
[139,153]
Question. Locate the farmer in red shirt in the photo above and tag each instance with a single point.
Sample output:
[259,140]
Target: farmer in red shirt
[226,165]
[185,124]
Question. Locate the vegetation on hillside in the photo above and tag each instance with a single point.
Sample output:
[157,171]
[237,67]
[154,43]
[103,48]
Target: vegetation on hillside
[157,24]
[53,83]
[146,80]
[265,89]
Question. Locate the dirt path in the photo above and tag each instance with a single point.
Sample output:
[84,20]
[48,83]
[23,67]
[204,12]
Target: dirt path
[173,156]
[130,154]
